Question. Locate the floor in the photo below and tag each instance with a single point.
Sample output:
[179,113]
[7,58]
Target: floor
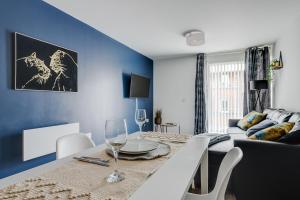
[229,196]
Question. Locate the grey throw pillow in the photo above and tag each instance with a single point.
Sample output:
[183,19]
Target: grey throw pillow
[260,126]
[279,116]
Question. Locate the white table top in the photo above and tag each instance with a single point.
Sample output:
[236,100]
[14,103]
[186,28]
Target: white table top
[170,182]
[174,178]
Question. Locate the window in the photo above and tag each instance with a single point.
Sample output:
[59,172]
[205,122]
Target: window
[224,105]
[225,80]
[225,88]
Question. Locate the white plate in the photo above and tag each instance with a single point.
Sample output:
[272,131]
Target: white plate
[138,146]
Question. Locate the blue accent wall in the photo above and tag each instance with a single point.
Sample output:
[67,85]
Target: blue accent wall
[103,63]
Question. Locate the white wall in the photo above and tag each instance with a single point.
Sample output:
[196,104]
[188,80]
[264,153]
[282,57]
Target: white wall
[287,80]
[174,91]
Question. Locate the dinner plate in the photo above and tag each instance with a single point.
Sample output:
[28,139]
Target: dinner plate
[139,146]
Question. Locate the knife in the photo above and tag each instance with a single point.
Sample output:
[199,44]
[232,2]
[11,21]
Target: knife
[97,162]
[87,157]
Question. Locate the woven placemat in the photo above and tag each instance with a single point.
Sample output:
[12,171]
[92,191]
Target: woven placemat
[85,181]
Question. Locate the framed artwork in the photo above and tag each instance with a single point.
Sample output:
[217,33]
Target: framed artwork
[39,65]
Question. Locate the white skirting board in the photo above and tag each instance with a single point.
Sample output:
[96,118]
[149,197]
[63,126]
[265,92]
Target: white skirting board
[42,141]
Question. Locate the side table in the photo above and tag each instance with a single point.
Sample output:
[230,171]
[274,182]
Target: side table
[164,127]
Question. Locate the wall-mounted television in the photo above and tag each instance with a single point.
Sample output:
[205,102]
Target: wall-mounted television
[139,86]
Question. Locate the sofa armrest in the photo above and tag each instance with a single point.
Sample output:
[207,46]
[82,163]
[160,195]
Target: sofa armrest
[271,167]
[233,122]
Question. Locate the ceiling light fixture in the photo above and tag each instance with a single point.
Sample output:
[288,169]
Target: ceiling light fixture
[194,38]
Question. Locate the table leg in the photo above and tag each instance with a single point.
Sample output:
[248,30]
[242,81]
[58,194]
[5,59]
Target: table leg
[204,173]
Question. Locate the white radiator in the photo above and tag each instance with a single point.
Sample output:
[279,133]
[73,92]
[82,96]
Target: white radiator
[42,141]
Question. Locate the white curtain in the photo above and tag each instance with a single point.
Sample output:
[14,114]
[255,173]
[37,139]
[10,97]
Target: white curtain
[225,89]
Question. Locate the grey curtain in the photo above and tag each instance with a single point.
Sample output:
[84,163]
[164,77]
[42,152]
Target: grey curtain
[200,106]
[257,61]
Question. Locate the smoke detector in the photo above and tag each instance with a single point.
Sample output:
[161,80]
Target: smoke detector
[194,38]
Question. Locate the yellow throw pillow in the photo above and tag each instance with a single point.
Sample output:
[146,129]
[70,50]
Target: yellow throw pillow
[251,119]
[273,133]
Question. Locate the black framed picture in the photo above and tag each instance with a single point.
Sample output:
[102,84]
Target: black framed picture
[39,65]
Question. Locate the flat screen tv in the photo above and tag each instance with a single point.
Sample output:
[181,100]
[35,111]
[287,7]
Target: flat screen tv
[139,86]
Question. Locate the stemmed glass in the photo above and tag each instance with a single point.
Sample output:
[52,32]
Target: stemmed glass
[115,138]
[140,117]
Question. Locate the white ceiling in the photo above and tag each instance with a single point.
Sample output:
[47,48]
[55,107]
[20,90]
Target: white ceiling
[155,27]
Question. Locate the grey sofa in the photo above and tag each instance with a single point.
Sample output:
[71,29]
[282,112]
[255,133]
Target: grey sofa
[268,170]
[275,115]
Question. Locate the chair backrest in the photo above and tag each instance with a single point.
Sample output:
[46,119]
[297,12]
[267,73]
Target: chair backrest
[71,144]
[231,159]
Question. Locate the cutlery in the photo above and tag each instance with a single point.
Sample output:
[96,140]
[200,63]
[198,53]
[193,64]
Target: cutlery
[173,141]
[97,162]
[87,157]
[152,172]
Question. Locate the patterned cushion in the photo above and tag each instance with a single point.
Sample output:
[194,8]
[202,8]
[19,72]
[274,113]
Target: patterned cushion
[260,126]
[250,120]
[293,137]
[273,133]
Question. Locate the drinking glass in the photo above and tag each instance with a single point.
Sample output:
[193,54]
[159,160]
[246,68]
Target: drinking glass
[140,117]
[115,138]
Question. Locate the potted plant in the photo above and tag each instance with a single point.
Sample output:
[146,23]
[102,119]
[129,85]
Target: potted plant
[158,118]
[277,63]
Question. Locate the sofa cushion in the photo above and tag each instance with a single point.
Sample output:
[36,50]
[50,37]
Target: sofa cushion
[272,114]
[295,117]
[235,130]
[293,137]
[279,116]
[273,133]
[260,126]
[251,119]
[269,111]
[296,127]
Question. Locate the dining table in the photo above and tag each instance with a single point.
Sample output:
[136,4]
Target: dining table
[167,177]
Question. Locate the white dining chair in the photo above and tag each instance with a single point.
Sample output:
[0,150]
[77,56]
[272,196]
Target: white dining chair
[231,159]
[71,144]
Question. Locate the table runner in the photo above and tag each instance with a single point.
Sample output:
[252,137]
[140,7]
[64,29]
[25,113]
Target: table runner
[79,180]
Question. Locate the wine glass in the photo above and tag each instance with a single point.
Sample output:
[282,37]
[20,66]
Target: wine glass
[140,117]
[115,138]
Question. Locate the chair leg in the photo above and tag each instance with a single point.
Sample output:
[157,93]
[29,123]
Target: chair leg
[204,173]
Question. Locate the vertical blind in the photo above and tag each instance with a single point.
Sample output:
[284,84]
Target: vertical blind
[225,88]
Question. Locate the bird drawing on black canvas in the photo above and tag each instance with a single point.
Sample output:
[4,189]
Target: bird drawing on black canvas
[60,75]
